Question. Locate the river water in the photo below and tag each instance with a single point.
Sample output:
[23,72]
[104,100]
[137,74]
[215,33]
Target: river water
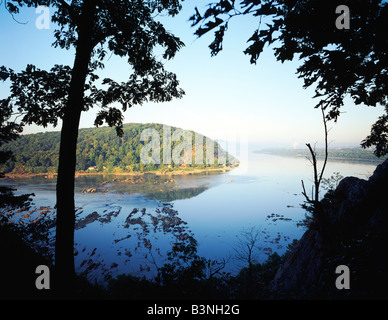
[129,224]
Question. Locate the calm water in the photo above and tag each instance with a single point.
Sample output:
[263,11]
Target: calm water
[129,224]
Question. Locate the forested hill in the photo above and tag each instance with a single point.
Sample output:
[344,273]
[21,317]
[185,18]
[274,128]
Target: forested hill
[143,147]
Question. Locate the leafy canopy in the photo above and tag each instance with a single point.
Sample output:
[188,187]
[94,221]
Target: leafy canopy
[340,62]
[125,28]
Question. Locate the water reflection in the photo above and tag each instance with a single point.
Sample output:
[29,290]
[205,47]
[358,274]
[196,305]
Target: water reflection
[135,242]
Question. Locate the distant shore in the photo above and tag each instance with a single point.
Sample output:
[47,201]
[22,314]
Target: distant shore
[177,172]
[351,155]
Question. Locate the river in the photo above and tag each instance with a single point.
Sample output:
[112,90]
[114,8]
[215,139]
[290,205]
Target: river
[129,224]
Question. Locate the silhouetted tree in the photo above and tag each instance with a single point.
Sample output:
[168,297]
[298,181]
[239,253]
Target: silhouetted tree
[93,28]
[350,61]
[247,250]
[247,247]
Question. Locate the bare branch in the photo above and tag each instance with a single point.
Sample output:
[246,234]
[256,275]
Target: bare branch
[317,177]
[305,194]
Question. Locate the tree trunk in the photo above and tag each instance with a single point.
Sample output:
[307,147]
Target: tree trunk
[64,246]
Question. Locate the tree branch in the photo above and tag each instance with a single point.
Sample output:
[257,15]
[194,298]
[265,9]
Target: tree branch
[221,265]
[326,145]
[317,177]
[73,14]
[305,193]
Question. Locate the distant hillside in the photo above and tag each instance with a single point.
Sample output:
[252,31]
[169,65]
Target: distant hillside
[101,150]
[340,154]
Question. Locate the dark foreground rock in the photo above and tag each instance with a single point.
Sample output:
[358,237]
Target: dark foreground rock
[352,230]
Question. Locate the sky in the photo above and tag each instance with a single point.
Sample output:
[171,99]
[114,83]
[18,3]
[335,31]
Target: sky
[263,105]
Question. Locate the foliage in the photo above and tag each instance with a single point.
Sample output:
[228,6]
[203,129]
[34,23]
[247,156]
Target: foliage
[21,237]
[378,137]
[9,131]
[330,184]
[190,276]
[339,62]
[99,149]
[127,29]
[247,246]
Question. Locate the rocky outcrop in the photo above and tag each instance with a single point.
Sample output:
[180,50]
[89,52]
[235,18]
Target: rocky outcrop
[351,230]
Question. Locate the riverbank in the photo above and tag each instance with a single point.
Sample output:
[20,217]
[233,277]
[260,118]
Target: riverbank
[177,172]
[347,155]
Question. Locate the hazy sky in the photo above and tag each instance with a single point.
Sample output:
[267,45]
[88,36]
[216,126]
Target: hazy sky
[225,95]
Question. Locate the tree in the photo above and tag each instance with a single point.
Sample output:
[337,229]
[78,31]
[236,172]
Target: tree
[247,246]
[312,203]
[318,176]
[247,250]
[340,62]
[93,28]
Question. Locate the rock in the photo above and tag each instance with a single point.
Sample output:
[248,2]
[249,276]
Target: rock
[128,253]
[108,216]
[169,211]
[301,269]
[352,230]
[118,240]
[93,252]
[89,190]
[88,219]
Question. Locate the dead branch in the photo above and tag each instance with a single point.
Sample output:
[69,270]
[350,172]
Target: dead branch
[317,176]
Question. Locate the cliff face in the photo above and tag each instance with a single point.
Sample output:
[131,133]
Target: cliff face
[352,230]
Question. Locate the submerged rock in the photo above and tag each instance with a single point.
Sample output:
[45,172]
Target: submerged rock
[88,219]
[89,190]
